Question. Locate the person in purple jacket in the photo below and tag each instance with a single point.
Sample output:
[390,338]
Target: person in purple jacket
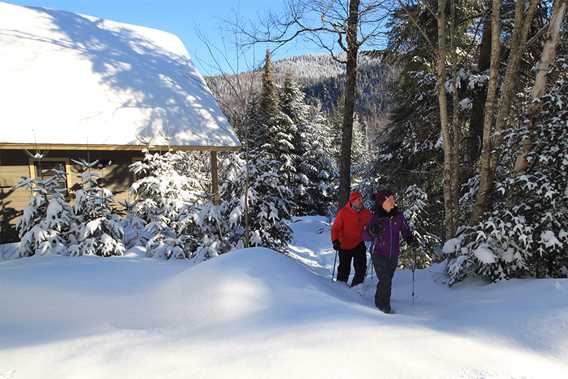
[384,230]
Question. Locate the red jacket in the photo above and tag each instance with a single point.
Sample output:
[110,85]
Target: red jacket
[349,224]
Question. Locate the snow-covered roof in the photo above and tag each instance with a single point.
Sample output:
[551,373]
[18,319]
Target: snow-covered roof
[67,78]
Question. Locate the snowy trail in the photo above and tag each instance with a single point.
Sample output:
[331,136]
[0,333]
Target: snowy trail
[258,314]
[531,314]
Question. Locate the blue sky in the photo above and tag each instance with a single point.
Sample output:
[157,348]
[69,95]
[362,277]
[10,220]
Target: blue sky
[185,19]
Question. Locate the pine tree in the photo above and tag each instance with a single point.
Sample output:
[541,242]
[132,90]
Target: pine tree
[223,226]
[45,223]
[98,228]
[269,107]
[270,203]
[133,226]
[415,205]
[292,101]
[317,166]
[170,187]
[268,115]
[272,152]
[295,121]
[314,165]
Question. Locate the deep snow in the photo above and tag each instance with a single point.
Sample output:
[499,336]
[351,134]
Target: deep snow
[9,251]
[256,313]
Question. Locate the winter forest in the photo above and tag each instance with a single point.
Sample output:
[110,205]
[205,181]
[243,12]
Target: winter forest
[459,108]
[462,114]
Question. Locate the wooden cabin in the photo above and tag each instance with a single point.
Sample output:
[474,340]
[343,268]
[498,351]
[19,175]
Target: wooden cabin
[80,87]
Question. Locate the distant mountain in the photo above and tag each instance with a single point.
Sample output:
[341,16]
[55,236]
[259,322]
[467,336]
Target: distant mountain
[322,79]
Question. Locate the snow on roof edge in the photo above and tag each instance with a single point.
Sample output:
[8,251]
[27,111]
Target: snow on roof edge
[79,79]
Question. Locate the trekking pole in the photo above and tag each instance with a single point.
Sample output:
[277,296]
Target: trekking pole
[370,267]
[334,262]
[413,269]
[368,274]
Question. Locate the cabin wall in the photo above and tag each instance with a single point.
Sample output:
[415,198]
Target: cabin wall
[12,201]
[113,169]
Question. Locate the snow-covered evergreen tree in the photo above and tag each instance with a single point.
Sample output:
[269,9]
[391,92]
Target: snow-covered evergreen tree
[317,167]
[44,225]
[415,206]
[277,130]
[314,166]
[293,120]
[292,102]
[133,226]
[359,150]
[98,229]
[222,226]
[171,185]
[266,181]
[270,201]
[269,124]
[526,233]
[256,190]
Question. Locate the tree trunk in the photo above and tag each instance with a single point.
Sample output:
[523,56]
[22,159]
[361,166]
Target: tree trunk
[456,130]
[485,158]
[518,42]
[450,210]
[476,121]
[546,61]
[215,179]
[349,107]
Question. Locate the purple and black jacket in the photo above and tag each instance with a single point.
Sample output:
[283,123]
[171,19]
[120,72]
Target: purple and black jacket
[388,242]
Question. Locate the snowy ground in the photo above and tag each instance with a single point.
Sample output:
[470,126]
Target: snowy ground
[258,314]
[8,251]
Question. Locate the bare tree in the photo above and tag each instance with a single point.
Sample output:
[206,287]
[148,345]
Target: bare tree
[449,126]
[546,61]
[490,100]
[443,109]
[228,62]
[491,148]
[240,89]
[476,122]
[340,27]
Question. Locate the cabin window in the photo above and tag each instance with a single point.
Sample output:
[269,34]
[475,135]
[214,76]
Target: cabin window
[48,167]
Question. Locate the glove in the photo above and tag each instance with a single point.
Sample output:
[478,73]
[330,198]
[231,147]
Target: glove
[336,245]
[375,229]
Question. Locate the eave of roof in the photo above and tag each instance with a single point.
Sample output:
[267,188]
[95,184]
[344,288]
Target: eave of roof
[86,147]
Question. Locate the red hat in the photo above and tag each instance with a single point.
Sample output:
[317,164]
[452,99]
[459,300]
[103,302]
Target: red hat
[354,196]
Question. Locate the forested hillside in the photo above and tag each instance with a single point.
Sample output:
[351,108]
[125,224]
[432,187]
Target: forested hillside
[322,79]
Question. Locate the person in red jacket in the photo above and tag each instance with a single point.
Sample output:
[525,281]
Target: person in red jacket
[347,238]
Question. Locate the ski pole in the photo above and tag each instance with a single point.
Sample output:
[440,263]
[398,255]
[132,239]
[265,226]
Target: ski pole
[371,250]
[368,274]
[413,269]
[334,262]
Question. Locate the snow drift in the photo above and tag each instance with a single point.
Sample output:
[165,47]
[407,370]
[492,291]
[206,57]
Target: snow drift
[89,293]
[257,313]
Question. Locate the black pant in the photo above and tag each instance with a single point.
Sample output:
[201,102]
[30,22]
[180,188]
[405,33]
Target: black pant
[359,257]
[385,268]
